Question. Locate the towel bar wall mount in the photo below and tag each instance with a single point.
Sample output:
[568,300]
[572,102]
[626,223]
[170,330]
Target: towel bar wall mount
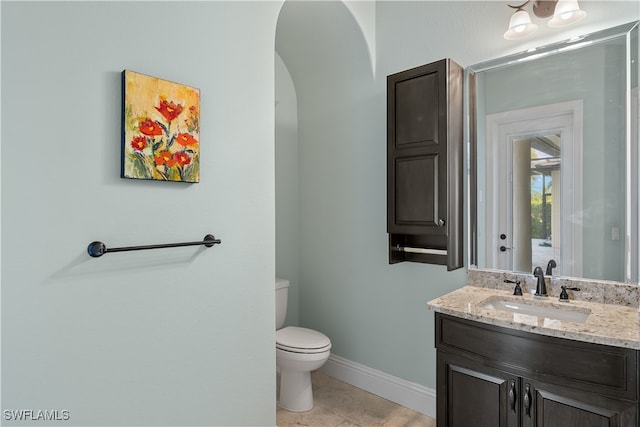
[97,249]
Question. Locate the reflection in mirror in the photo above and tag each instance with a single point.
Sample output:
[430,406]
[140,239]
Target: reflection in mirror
[524,149]
[556,158]
[536,166]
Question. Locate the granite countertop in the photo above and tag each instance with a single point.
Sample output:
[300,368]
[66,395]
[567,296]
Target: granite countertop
[610,324]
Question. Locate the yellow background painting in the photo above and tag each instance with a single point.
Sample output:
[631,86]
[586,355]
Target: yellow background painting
[161,129]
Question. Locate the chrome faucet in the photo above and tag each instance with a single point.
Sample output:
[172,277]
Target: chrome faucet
[541,286]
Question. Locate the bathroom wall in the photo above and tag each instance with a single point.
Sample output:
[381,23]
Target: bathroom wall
[375,313]
[179,336]
[287,198]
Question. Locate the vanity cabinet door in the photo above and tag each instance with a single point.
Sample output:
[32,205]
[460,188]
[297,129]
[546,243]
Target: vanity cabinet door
[552,406]
[475,395]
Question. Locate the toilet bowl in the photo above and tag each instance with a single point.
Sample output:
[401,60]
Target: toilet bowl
[298,352]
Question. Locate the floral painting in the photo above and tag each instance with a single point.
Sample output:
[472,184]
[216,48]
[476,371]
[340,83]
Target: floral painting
[160,128]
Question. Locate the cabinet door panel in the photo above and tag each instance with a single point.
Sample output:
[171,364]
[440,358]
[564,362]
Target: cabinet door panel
[417,106]
[476,395]
[568,409]
[417,190]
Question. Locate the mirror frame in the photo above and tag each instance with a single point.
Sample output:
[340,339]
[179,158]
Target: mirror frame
[631,264]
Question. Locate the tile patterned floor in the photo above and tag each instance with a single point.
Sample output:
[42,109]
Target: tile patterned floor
[337,404]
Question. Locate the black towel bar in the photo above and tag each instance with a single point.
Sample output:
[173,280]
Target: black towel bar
[97,249]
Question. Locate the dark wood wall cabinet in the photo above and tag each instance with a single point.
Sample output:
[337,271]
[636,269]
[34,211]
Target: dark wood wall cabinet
[425,164]
[500,377]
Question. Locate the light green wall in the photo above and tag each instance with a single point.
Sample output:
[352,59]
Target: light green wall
[169,337]
[375,313]
[287,187]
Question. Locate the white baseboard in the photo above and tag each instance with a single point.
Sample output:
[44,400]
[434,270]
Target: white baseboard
[414,396]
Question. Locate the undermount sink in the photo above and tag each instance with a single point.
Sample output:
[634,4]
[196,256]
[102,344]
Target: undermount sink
[544,309]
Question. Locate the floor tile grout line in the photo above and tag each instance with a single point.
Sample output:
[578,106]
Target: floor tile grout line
[350,406]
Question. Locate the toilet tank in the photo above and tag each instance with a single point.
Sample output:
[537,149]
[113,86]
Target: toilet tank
[282,292]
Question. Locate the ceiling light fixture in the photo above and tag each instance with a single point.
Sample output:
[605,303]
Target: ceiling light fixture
[562,12]
[567,12]
[520,25]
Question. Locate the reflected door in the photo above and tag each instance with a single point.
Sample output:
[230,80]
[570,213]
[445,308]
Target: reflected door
[537,196]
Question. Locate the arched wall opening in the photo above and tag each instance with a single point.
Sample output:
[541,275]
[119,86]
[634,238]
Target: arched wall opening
[321,54]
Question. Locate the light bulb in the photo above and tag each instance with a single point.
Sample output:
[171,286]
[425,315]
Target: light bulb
[566,12]
[520,26]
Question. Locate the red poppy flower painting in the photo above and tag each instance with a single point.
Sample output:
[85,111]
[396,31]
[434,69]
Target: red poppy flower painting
[186,139]
[160,129]
[139,143]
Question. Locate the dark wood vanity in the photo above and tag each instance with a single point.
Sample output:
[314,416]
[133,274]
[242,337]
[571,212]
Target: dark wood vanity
[500,377]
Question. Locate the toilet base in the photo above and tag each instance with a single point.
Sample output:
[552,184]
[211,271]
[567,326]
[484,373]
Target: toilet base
[296,393]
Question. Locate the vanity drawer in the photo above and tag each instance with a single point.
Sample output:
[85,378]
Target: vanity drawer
[610,371]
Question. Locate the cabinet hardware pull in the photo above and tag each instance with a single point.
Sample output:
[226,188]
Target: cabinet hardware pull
[527,400]
[441,222]
[512,395]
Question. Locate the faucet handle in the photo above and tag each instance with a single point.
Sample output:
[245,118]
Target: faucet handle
[564,296]
[517,290]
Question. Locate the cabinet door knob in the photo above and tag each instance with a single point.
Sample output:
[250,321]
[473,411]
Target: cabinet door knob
[512,395]
[527,400]
[441,222]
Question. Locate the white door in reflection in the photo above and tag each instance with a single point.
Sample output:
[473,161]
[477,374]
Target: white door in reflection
[537,197]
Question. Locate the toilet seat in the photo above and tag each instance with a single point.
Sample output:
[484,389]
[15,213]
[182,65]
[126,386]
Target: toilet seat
[302,340]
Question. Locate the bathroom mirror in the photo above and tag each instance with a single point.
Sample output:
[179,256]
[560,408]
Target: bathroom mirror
[554,158]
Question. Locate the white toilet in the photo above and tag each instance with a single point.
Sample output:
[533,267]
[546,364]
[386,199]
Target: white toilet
[298,352]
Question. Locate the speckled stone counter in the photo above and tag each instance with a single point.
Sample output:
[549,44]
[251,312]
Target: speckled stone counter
[613,319]
[602,291]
